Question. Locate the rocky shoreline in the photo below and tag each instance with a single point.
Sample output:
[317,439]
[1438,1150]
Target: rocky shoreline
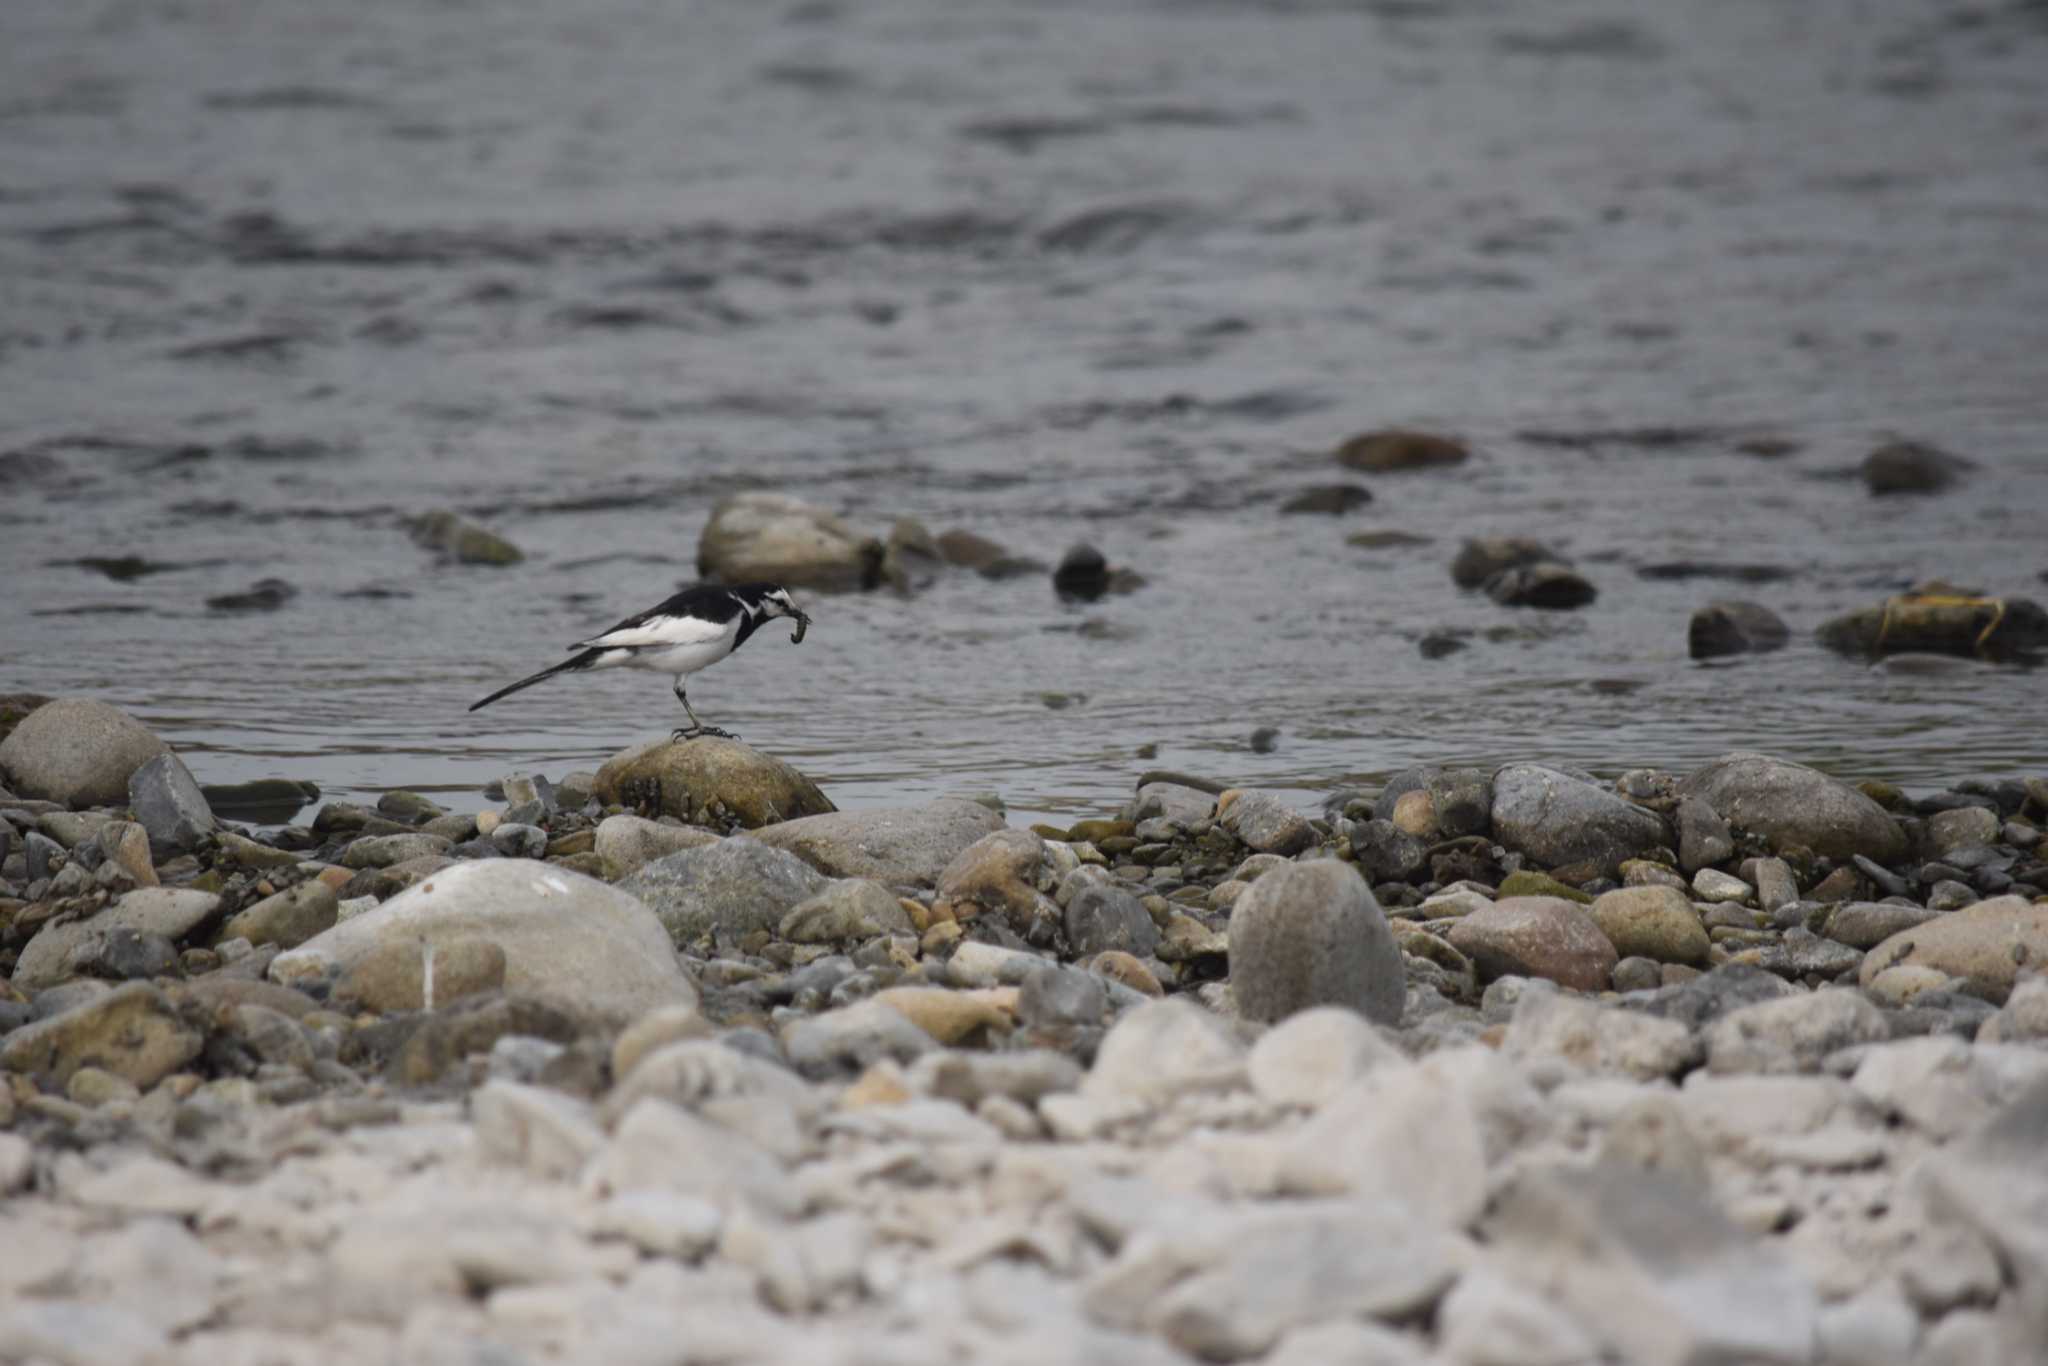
[674,1062]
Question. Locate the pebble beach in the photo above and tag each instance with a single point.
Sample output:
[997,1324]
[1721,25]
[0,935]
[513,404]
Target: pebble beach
[673,1062]
[1419,742]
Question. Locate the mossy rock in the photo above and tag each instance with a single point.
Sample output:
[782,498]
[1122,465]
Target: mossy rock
[709,781]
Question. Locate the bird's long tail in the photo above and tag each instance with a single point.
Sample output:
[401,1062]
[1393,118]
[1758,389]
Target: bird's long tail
[581,661]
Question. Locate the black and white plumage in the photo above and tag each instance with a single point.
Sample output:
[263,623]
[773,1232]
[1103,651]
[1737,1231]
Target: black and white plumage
[692,630]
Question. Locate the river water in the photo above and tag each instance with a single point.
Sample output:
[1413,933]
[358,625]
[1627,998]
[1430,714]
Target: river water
[275,276]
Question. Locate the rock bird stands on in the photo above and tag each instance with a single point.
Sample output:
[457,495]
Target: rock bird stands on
[692,630]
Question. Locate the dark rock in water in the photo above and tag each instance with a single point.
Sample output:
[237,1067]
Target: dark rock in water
[1083,573]
[265,595]
[1698,569]
[170,806]
[1439,644]
[1940,620]
[1548,585]
[1711,995]
[1398,449]
[1108,917]
[1912,467]
[1789,805]
[263,801]
[457,538]
[985,557]
[1480,559]
[968,550]
[910,558]
[1733,628]
[1264,740]
[1331,499]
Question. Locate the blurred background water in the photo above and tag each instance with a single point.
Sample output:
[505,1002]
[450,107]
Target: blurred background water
[275,277]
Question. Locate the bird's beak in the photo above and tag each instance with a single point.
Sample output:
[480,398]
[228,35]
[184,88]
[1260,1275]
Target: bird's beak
[803,624]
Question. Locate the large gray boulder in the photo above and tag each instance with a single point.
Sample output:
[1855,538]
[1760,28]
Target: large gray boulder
[566,937]
[773,537]
[1311,934]
[723,891]
[1557,819]
[1789,804]
[77,750]
[896,845]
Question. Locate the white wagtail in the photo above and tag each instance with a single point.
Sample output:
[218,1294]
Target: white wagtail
[692,630]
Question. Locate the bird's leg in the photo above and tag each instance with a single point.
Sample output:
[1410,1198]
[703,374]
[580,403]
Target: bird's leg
[696,727]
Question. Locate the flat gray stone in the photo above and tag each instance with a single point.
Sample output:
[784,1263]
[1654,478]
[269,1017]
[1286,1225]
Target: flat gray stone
[898,845]
[723,891]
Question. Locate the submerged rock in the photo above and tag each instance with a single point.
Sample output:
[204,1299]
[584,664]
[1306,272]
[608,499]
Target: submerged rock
[1734,628]
[1557,587]
[1912,467]
[1483,557]
[457,538]
[1937,620]
[1396,448]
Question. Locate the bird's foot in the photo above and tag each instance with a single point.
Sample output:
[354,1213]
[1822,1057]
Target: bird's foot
[693,732]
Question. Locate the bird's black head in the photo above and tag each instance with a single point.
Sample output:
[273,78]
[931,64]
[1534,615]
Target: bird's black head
[773,600]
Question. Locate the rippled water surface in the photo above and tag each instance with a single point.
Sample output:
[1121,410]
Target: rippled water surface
[273,277]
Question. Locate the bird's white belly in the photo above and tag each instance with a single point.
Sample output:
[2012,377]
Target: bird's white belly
[681,659]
